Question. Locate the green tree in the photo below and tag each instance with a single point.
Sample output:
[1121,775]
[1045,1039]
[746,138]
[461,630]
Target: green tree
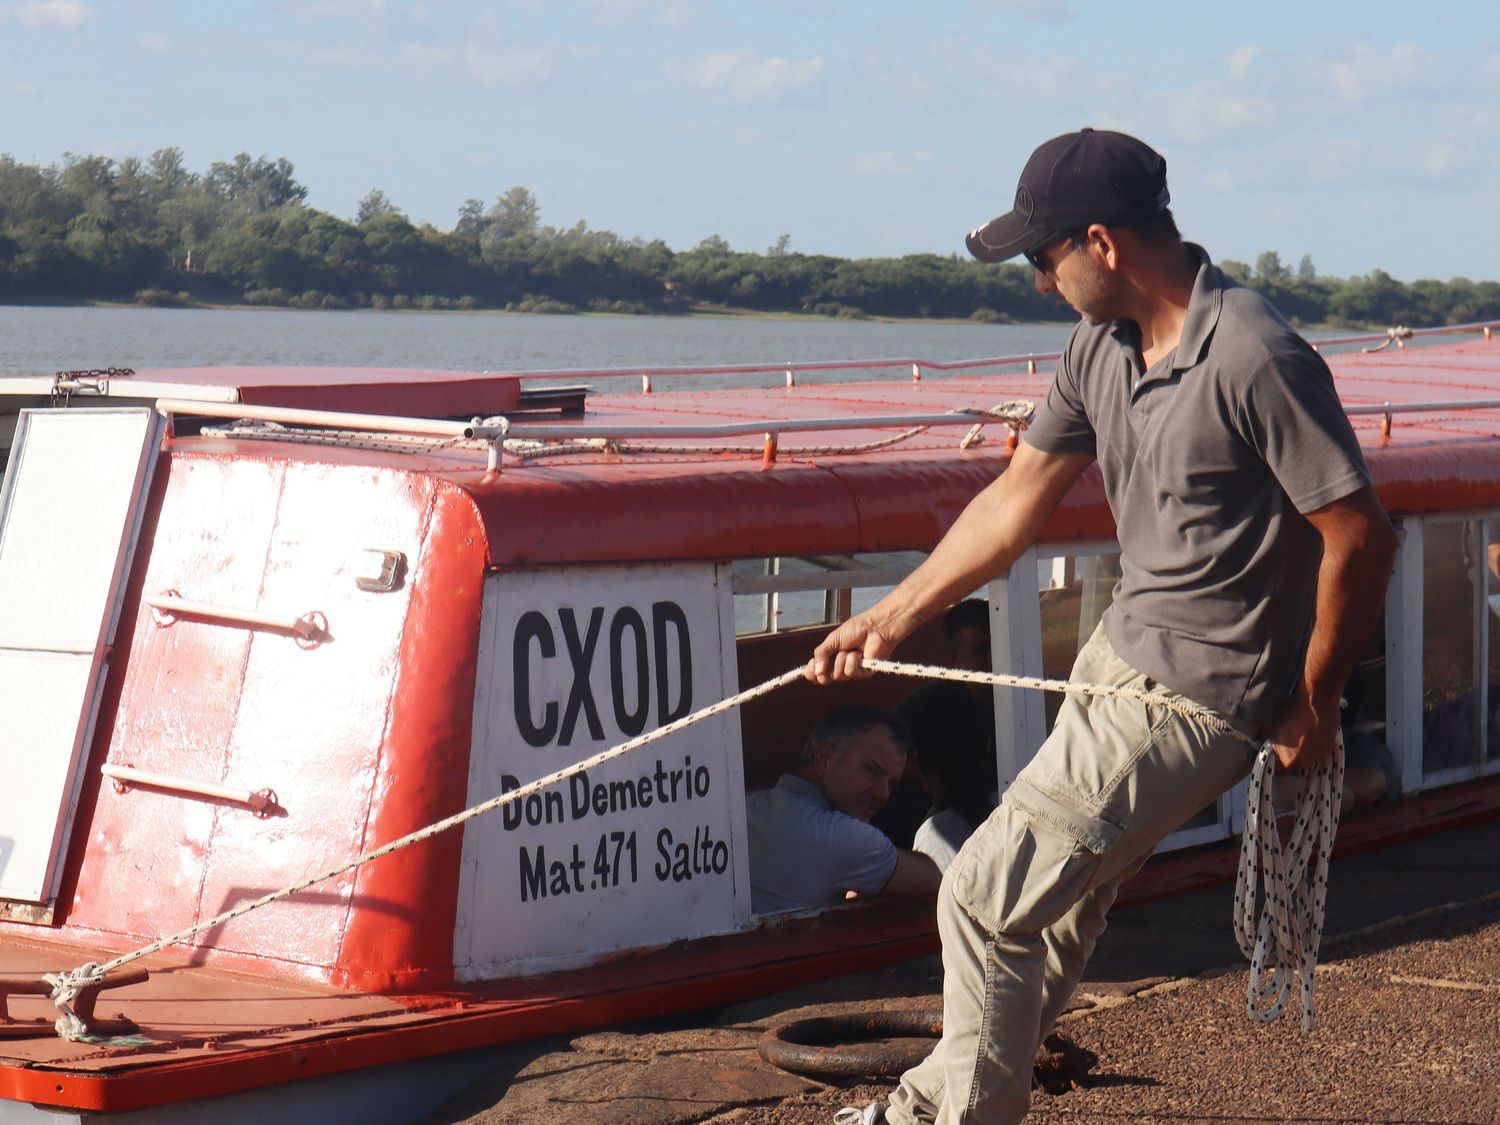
[31,194]
[374,203]
[1268,267]
[258,185]
[471,220]
[515,215]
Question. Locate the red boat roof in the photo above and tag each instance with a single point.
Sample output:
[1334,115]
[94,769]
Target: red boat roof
[364,390]
[653,494]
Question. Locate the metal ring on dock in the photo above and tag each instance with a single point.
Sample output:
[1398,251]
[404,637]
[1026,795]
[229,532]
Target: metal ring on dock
[857,1044]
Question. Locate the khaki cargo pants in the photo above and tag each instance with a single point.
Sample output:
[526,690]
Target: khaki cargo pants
[1023,904]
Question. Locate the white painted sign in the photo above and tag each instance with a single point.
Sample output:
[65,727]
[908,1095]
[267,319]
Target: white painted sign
[647,848]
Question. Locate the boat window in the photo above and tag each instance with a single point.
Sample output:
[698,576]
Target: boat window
[1075,590]
[1453,707]
[777,594]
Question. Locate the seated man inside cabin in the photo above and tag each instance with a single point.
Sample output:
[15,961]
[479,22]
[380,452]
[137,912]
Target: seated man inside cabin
[811,843]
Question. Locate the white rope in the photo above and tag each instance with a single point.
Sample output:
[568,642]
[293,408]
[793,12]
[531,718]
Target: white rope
[1002,679]
[1284,941]
[1016,414]
[67,985]
[66,988]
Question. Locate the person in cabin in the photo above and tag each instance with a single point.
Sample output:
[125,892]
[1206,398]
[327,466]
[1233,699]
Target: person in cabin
[1242,503]
[953,747]
[810,839]
[966,627]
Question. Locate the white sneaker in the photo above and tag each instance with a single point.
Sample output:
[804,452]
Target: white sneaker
[872,1114]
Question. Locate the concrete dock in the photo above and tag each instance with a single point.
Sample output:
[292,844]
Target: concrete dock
[1408,998]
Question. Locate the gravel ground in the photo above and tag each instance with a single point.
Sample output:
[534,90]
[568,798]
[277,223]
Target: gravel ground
[1408,1003]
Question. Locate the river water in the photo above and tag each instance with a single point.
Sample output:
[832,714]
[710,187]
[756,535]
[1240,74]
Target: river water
[44,340]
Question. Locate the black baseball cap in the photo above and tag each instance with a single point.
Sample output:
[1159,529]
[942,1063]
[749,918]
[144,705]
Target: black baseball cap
[1071,182]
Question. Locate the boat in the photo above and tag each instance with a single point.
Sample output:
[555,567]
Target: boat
[258,626]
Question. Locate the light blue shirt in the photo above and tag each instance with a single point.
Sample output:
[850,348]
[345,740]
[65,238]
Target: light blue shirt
[805,853]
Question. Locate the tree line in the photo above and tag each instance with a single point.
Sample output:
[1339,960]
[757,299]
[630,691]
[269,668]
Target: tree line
[153,231]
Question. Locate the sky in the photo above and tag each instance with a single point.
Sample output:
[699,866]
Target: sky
[1362,133]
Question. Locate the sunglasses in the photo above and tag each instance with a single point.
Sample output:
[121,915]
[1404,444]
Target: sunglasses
[1036,258]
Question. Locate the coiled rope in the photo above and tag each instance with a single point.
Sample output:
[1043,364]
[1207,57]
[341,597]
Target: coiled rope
[1290,926]
[1292,944]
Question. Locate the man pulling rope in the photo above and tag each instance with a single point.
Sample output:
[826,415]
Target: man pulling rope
[1254,557]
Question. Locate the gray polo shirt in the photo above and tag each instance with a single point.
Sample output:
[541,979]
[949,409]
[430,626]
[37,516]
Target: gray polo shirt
[1208,459]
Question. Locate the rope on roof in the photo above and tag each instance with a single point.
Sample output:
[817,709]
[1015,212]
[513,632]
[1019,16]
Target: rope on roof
[1016,414]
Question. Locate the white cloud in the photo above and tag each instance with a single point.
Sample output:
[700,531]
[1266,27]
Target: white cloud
[1437,159]
[887,164]
[522,66]
[22,87]
[511,68]
[654,15]
[1041,11]
[1242,59]
[342,11]
[750,138]
[1334,158]
[746,78]
[1205,110]
[1361,72]
[69,15]
[154,43]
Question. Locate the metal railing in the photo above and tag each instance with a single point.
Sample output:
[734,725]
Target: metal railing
[917,366]
[495,431]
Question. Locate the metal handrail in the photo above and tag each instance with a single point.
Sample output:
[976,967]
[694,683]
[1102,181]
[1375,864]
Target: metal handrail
[495,430]
[1424,407]
[791,368]
[169,606]
[646,428]
[1031,359]
[259,801]
[1386,410]
[1486,327]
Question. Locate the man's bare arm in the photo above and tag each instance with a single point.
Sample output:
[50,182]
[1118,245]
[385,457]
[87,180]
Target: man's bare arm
[997,526]
[1359,547]
[916,876]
